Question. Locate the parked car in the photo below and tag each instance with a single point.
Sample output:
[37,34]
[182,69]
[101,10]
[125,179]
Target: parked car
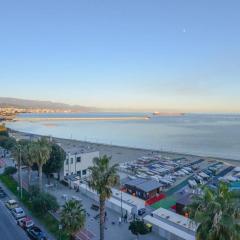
[95,207]
[2,194]
[11,204]
[25,223]
[141,211]
[18,213]
[35,233]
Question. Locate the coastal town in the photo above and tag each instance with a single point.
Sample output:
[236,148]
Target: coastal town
[153,188]
[120,120]
[10,113]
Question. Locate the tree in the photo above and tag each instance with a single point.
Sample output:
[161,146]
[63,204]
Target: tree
[138,227]
[218,212]
[3,131]
[10,170]
[28,158]
[102,179]
[72,217]
[40,151]
[44,202]
[34,191]
[23,149]
[18,156]
[7,142]
[56,160]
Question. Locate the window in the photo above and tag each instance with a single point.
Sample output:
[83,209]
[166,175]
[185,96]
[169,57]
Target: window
[78,159]
[84,172]
[67,161]
[79,173]
[71,160]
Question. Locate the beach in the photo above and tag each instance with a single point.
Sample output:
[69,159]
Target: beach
[120,154]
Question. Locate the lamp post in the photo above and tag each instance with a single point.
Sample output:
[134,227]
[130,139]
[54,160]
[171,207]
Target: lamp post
[20,169]
[60,232]
[121,205]
[21,172]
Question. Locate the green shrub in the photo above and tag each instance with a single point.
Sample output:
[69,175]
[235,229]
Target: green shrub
[7,142]
[44,202]
[10,170]
[138,227]
[34,191]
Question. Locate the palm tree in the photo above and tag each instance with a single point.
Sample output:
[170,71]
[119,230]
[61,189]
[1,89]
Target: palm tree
[72,217]
[29,159]
[218,212]
[20,155]
[40,152]
[17,154]
[102,179]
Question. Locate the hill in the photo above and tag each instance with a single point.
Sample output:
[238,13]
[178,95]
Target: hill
[35,104]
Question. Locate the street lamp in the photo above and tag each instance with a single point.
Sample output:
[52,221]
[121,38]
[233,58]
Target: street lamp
[60,228]
[20,169]
[20,172]
[121,205]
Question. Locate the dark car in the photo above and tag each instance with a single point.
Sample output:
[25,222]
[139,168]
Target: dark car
[2,194]
[141,211]
[35,233]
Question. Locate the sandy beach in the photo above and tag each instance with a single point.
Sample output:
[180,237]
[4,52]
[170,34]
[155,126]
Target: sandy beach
[121,154]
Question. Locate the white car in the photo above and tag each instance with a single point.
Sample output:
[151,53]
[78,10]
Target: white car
[11,204]
[18,213]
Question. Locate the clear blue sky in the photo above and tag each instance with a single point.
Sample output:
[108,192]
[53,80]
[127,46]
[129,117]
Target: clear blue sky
[179,55]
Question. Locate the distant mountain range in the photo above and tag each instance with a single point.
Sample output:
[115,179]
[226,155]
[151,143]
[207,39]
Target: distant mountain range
[35,104]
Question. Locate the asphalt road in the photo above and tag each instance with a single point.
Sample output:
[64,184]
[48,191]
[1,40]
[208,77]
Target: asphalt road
[9,230]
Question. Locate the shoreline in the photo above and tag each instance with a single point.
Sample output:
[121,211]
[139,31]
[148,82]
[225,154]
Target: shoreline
[81,119]
[121,154]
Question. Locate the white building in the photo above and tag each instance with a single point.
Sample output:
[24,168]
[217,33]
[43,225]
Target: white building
[76,164]
[120,202]
[172,226]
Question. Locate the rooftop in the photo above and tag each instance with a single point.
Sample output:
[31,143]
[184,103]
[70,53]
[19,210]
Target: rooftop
[175,219]
[73,149]
[185,200]
[143,184]
[72,177]
[172,229]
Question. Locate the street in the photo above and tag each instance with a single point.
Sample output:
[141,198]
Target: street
[12,229]
[9,230]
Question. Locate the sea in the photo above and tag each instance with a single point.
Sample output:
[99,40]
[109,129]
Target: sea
[216,135]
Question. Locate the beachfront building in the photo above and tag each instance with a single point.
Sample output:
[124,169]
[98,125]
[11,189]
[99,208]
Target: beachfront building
[172,226]
[143,188]
[76,165]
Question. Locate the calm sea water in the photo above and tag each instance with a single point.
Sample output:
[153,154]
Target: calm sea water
[208,135]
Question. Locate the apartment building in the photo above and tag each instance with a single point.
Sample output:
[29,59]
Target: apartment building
[77,163]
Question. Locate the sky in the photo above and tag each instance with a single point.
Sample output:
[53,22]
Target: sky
[166,55]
